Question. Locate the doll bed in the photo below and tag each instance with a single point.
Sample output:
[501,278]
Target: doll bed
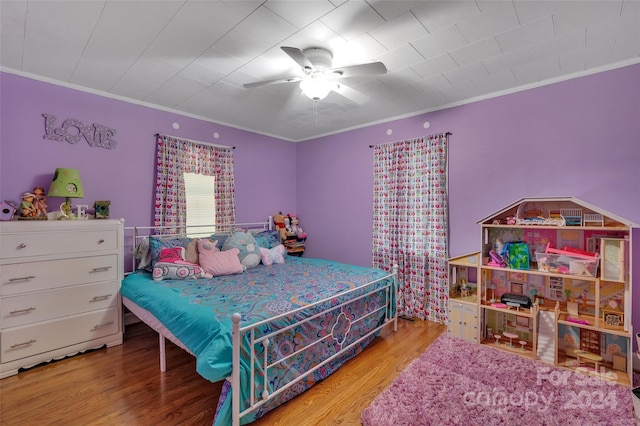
[272,331]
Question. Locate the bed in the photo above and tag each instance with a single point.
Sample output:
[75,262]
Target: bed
[271,331]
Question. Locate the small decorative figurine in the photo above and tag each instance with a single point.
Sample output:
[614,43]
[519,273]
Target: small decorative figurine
[102,209]
[27,210]
[39,202]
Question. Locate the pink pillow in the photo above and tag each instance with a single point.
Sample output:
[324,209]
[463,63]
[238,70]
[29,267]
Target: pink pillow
[272,255]
[191,250]
[218,262]
[171,255]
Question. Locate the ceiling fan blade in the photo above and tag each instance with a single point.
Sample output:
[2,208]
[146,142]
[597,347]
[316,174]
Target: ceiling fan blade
[372,68]
[351,94]
[297,55]
[268,82]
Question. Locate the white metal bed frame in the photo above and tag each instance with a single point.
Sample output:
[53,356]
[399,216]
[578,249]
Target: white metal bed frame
[239,332]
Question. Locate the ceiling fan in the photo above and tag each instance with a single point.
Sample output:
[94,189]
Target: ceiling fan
[319,77]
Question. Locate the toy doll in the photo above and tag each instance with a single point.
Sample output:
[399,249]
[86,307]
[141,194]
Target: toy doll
[26,206]
[39,203]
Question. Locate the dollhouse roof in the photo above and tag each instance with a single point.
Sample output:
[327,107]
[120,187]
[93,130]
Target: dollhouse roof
[545,205]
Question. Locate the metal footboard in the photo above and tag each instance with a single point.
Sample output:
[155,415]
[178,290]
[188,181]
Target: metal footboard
[248,334]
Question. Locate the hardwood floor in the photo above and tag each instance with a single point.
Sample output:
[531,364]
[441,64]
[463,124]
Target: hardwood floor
[123,385]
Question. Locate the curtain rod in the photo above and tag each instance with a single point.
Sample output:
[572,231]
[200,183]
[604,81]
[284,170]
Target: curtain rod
[201,142]
[371,146]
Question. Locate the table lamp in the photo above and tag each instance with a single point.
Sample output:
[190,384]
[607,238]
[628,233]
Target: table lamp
[66,183]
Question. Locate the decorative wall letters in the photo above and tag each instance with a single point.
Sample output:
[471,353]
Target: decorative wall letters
[95,135]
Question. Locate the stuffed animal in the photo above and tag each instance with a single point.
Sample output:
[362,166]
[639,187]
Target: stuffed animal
[296,228]
[248,249]
[278,220]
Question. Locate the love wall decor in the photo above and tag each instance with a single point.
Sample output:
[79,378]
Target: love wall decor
[72,130]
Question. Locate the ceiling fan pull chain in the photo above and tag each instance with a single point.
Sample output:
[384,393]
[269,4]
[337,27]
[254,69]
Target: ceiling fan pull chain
[315,111]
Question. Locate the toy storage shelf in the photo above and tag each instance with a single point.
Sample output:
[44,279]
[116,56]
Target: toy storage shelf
[463,299]
[580,315]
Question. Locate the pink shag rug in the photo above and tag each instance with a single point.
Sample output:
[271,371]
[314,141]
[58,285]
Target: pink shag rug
[458,383]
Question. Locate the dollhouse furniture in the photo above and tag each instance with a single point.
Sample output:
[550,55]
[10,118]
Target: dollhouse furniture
[463,311]
[593,219]
[579,293]
[59,289]
[570,351]
[588,356]
[619,362]
[510,336]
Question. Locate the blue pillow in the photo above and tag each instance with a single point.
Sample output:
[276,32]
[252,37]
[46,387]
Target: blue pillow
[249,250]
[220,238]
[268,239]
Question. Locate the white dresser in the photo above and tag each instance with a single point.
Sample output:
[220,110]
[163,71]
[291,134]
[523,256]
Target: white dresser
[59,289]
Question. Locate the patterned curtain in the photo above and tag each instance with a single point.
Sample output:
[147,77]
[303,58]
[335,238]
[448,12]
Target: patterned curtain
[177,156]
[410,222]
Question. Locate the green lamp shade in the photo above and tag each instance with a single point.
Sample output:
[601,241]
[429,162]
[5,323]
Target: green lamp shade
[66,183]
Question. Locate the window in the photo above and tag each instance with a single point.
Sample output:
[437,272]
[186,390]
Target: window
[201,204]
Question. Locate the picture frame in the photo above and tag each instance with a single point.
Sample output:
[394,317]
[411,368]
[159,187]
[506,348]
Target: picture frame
[516,288]
[101,209]
[518,276]
[612,319]
[522,322]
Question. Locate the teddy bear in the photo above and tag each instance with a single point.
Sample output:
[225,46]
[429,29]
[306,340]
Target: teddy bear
[278,220]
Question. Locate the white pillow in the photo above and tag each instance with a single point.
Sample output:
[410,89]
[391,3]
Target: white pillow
[272,255]
[178,271]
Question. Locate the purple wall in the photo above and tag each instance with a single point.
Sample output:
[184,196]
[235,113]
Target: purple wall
[125,175]
[576,138]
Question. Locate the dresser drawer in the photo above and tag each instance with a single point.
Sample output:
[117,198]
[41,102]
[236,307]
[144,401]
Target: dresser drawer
[41,306]
[16,278]
[28,244]
[22,342]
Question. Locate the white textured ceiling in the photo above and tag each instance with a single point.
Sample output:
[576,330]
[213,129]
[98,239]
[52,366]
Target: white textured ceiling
[195,56]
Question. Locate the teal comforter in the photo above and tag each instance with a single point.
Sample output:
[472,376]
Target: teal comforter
[198,312]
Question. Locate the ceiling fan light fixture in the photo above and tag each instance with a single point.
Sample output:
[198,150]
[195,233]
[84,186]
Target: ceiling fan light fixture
[317,88]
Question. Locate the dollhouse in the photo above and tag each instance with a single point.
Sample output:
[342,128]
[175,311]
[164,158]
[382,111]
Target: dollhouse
[569,304]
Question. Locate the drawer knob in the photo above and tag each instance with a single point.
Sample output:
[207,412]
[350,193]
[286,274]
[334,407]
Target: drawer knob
[21,246]
[17,345]
[100,241]
[104,324]
[101,269]
[22,311]
[30,277]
